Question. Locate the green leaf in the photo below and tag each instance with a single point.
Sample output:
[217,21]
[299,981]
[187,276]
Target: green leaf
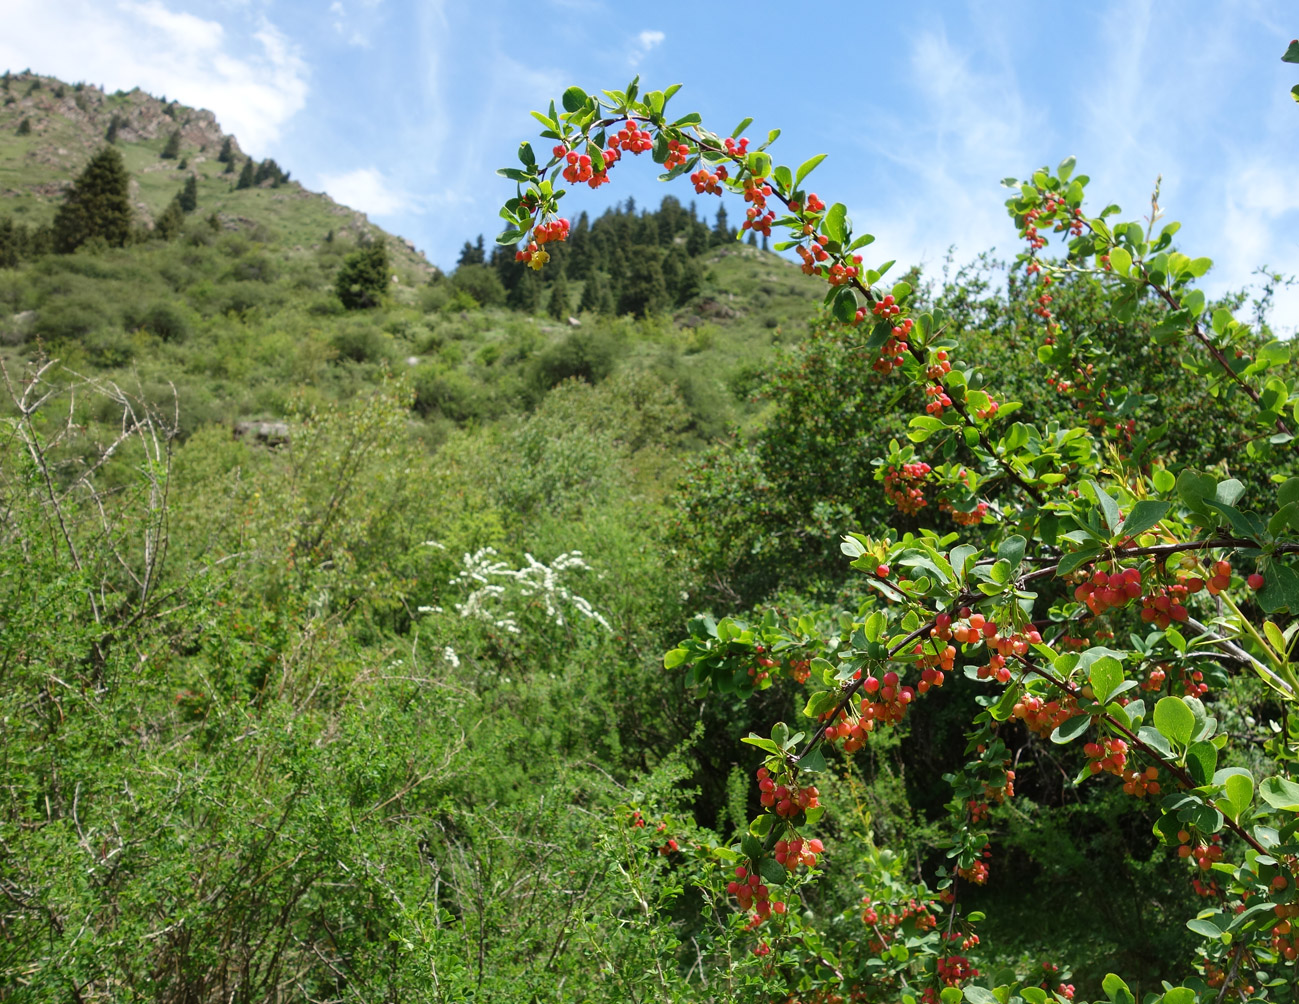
[510,238]
[1228,492]
[1012,549]
[744,124]
[1179,995]
[806,168]
[1105,675]
[574,99]
[1174,720]
[1076,560]
[1144,515]
[1163,481]
[821,702]
[1066,168]
[813,762]
[1121,260]
[1240,789]
[950,995]
[773,872]
[836,222]
[675,658]
[1118,990]
[1033,995]
[784,180]
[754,739]
[1071,729]
[1109,508]
[1205,927]
[1201,761]
[978,995]
[1291,52]
[1280,793]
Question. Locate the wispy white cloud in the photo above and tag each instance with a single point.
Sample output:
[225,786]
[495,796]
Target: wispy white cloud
[253,89]
[367,189]
[645,41]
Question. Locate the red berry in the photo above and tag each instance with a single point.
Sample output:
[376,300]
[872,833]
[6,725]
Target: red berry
[1255,581]
[882,571]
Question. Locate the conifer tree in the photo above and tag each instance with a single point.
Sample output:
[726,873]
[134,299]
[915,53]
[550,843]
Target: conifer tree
[227,154]
[363,279]
[188,196]
[643,291]
[172,220]
[526,295]
[12,242]
[245,176]
[722,231]
[97,205]
[172,150]
[558,306]
[25,127]
[111,135]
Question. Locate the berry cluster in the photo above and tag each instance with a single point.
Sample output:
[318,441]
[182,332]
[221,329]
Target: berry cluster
[961,518]
[532,256]
[1140,783]
[759,224]
[1104,590]
[937,369]
[787,801]
[555,230]
[577,167]
[751,894]
[1110,755]
[1042,716]
[678,154]
[756,191]
[938,399]
[707,182]
[978,871]
[812,256]
[792,853]
[954,970]
[736,148]
[633,139]
[894,348]
[904,488]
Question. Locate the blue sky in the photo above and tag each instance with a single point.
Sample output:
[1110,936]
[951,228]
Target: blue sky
[404,108]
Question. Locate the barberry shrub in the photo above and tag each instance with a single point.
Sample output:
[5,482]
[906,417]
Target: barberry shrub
[1080,578]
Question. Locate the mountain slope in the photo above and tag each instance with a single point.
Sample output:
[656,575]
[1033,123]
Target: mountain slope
[67,123]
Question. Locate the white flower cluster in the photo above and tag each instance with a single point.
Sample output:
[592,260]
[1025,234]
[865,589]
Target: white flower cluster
[536,579]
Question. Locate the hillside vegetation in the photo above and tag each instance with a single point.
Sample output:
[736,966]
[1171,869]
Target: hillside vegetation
[331,640]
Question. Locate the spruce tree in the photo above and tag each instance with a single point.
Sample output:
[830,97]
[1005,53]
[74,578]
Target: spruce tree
[246,175]
[721,231]
[111,135]
[25,127]
[227,154]
[172,150]
[362,279]
[13,241]
[189,195]
[97,205]
[558,306]
[643,291]
[171,222]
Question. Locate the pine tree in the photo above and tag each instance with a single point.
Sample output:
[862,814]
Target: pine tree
[227,154]
[25,127]
[471,255]
[558,306]
[113,126]
[526,295]
[188,196]
[246,175]
[172,150]
[765,243]
[721,231]
[171,222]
[13,242]
[362,279]
[97,205]
[643,290]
